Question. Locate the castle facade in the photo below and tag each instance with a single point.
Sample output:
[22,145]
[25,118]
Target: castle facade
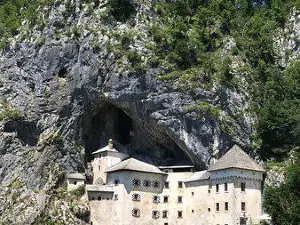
[126,191]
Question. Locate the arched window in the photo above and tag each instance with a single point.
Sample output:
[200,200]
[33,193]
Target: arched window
[155,214]
[156,184]
[136,212]
[156,199]
[136,182]
[136,197]
[147,183]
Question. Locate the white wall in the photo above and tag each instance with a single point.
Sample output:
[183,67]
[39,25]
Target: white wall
[72,186]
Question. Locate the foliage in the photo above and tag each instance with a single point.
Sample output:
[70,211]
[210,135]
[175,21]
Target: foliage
[283,202]
[13,12]
[79,191]
[121,10]
[10,112]
[191,34]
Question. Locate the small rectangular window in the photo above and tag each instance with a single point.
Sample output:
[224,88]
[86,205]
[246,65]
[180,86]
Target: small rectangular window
[166,184]
[116,197]
[166,199]
[99,168]
[217,188]
[208,209]
[243,186]
[179,213]
[179,199]
[165,214]
[225,187]
[192,193]
[226,206]
[180,184]
[243,206]
[217,207]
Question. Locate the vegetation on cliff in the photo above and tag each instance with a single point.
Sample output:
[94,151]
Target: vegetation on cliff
[222,40]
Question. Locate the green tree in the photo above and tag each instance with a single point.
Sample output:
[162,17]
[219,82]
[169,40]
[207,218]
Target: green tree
[283,202]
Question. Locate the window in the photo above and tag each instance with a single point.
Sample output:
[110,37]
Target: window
[217,207]
[155,214]
[179,214]
[147,183]
[208,209]
[136,213]
[192,211]
[166,199]
[165,223]
[243,221]
[217,188]
[116,182]
[208,190]
[156,199]
[225,187]
[192,193]
[243,206]
[93,198]
[136,182]
[179,184]
[136,197]
[116,197]
[179,199]
[99,198]
[107,198]
[166,184]
[243,186]
[226,206]
[165,214]
[156,184]
[75,182]
[99,168]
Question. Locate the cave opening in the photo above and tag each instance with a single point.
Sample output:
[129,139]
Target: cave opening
[141,139]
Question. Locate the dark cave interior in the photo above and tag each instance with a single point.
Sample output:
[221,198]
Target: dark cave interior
[140,139]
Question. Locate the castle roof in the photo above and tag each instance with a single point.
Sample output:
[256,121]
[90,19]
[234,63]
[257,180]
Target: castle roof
[99,188]
[77,176]
[135,165]
[107,148]
[236,158]
[200,175]
[104,149]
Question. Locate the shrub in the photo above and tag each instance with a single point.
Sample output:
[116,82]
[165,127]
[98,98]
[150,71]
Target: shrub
[79,191]
[121,10]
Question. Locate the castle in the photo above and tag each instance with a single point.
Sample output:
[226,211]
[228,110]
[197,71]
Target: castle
[127,191]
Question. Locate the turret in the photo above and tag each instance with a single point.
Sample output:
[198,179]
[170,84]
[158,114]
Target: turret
[105,158]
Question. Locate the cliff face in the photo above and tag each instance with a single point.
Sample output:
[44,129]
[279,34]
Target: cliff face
[65,91]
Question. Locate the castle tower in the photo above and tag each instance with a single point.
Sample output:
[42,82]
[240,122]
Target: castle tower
[105,158]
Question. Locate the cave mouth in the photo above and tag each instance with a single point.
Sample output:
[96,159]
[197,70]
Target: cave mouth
[141,139]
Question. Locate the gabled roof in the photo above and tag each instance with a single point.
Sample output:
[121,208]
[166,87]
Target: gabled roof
[77,176]
[200,175]
[236,158]
[104,149]
[108,148]
[135,165]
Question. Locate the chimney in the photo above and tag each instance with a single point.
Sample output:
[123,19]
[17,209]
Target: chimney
[110,144]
